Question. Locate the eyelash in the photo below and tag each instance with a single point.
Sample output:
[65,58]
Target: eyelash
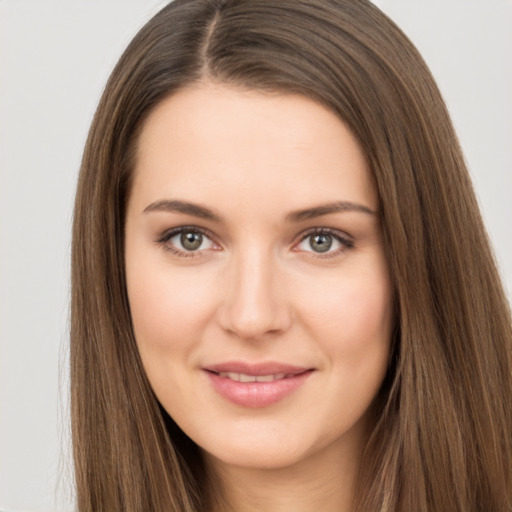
[168,235]
[345,242]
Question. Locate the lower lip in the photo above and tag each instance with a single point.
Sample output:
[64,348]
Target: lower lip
[256,394]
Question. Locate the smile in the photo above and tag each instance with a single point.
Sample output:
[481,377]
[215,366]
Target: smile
[256,386]
[243,377]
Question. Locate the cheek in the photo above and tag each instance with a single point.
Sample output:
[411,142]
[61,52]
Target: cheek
[355,332]
[166,306]
[353,309]
[353,320]
[168,314]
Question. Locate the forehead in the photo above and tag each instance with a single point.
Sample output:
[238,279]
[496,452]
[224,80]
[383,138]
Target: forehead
[211,141]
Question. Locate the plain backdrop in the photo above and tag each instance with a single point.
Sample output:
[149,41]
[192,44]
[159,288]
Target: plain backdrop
[55,56]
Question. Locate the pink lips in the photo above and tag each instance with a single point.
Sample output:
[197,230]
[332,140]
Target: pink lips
[256,385]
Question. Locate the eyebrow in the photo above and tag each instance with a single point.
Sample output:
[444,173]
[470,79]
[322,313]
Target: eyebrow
[166,205]
[325,209]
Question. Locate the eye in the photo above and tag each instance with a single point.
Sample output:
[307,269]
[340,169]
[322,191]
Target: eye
[187,241]
[324,242]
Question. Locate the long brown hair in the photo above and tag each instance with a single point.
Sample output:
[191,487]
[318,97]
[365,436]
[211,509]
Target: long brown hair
[443,438]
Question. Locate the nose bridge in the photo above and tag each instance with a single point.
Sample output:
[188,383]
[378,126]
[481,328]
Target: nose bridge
[253,307]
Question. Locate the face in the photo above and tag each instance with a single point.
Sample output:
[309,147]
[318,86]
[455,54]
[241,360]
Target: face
[257,281]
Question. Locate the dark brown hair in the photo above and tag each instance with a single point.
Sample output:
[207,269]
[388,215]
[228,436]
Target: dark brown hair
[443,439]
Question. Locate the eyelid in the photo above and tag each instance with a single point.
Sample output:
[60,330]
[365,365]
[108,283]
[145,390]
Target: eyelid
[168,234]
[345,240]
[342,238]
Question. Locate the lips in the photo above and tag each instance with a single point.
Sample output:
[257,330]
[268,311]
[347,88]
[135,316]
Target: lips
[256,385]
[270,368]
[244,377]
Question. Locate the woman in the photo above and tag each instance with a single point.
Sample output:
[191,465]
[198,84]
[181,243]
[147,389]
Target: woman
[283,294]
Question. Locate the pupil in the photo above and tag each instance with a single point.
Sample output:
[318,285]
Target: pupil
[191,241]
[321,243]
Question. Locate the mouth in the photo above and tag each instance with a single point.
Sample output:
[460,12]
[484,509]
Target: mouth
[259,385]
[244,377]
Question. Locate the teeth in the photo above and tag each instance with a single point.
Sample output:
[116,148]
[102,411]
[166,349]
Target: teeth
[242,377]
[265,378]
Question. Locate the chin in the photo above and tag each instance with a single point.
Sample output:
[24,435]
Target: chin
[256,457]
[279,445]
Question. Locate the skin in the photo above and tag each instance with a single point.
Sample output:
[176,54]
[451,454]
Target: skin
[257,289]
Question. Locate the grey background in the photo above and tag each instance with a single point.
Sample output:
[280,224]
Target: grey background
[54,59]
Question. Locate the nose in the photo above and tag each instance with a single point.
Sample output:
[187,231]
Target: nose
[253,304]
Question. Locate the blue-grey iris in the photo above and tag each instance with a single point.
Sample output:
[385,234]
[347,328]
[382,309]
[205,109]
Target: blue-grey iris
[191,241]
[320,243]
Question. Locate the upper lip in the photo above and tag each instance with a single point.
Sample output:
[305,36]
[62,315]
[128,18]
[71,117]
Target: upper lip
[256,369]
